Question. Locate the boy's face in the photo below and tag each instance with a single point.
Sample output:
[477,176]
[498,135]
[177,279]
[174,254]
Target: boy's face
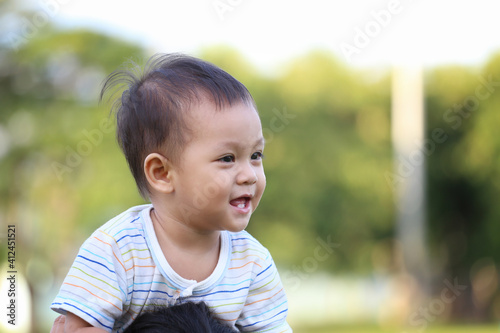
[220,179]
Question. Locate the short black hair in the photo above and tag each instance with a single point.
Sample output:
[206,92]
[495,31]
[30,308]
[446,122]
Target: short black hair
[183,318]
[150,112]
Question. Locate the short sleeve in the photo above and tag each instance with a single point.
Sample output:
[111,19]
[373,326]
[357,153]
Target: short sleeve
[266,307]
[95,288]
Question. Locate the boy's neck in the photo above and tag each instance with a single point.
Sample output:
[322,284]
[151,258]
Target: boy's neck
[180,235]
[192,255]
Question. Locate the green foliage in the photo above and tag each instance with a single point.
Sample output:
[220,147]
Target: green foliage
[49,93]
[464,177]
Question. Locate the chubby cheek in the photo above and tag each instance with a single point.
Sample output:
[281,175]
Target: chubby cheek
[203,191]
[261,186]
[216,187]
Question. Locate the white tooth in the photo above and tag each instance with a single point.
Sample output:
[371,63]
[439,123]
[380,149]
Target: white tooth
[242,205]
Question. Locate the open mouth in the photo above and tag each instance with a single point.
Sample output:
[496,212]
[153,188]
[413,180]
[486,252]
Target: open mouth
[241,202]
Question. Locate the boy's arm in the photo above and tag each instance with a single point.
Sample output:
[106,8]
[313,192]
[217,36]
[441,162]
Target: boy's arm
[58,326]
[70,323]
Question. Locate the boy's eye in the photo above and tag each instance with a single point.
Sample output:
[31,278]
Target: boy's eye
[227,159]
[257,155]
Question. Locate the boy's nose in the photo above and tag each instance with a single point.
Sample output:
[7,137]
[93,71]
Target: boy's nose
[247,175]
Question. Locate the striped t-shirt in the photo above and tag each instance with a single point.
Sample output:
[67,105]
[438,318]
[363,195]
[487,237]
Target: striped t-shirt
[121,271]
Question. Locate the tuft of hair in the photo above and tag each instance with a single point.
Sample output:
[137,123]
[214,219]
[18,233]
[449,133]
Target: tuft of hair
[182,318]
[150,112]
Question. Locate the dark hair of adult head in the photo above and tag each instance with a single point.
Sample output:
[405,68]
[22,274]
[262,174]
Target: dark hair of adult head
[183,318]
[151,111]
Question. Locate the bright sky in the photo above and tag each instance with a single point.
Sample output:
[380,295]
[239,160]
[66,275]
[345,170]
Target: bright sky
[270,32]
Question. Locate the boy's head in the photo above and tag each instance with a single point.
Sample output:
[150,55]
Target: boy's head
[153,112]
[184,318]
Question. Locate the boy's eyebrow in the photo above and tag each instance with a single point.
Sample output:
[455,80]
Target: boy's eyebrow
[259,142]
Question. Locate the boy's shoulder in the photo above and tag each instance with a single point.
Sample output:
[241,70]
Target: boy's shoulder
[129,221]
[243,241]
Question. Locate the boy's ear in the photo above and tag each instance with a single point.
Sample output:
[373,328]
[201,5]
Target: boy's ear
[158,171]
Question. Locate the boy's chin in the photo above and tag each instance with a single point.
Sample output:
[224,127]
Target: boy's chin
[237,227]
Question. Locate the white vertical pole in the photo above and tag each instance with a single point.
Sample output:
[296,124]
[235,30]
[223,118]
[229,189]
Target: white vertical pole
[408,118]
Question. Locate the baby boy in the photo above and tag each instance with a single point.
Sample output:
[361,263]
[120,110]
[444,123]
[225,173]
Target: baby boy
[193,140]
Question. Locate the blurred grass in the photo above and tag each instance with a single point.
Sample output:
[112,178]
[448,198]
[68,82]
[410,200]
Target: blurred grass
[491,328]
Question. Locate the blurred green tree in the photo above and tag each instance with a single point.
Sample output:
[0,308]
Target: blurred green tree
[464,182]
[54,138]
